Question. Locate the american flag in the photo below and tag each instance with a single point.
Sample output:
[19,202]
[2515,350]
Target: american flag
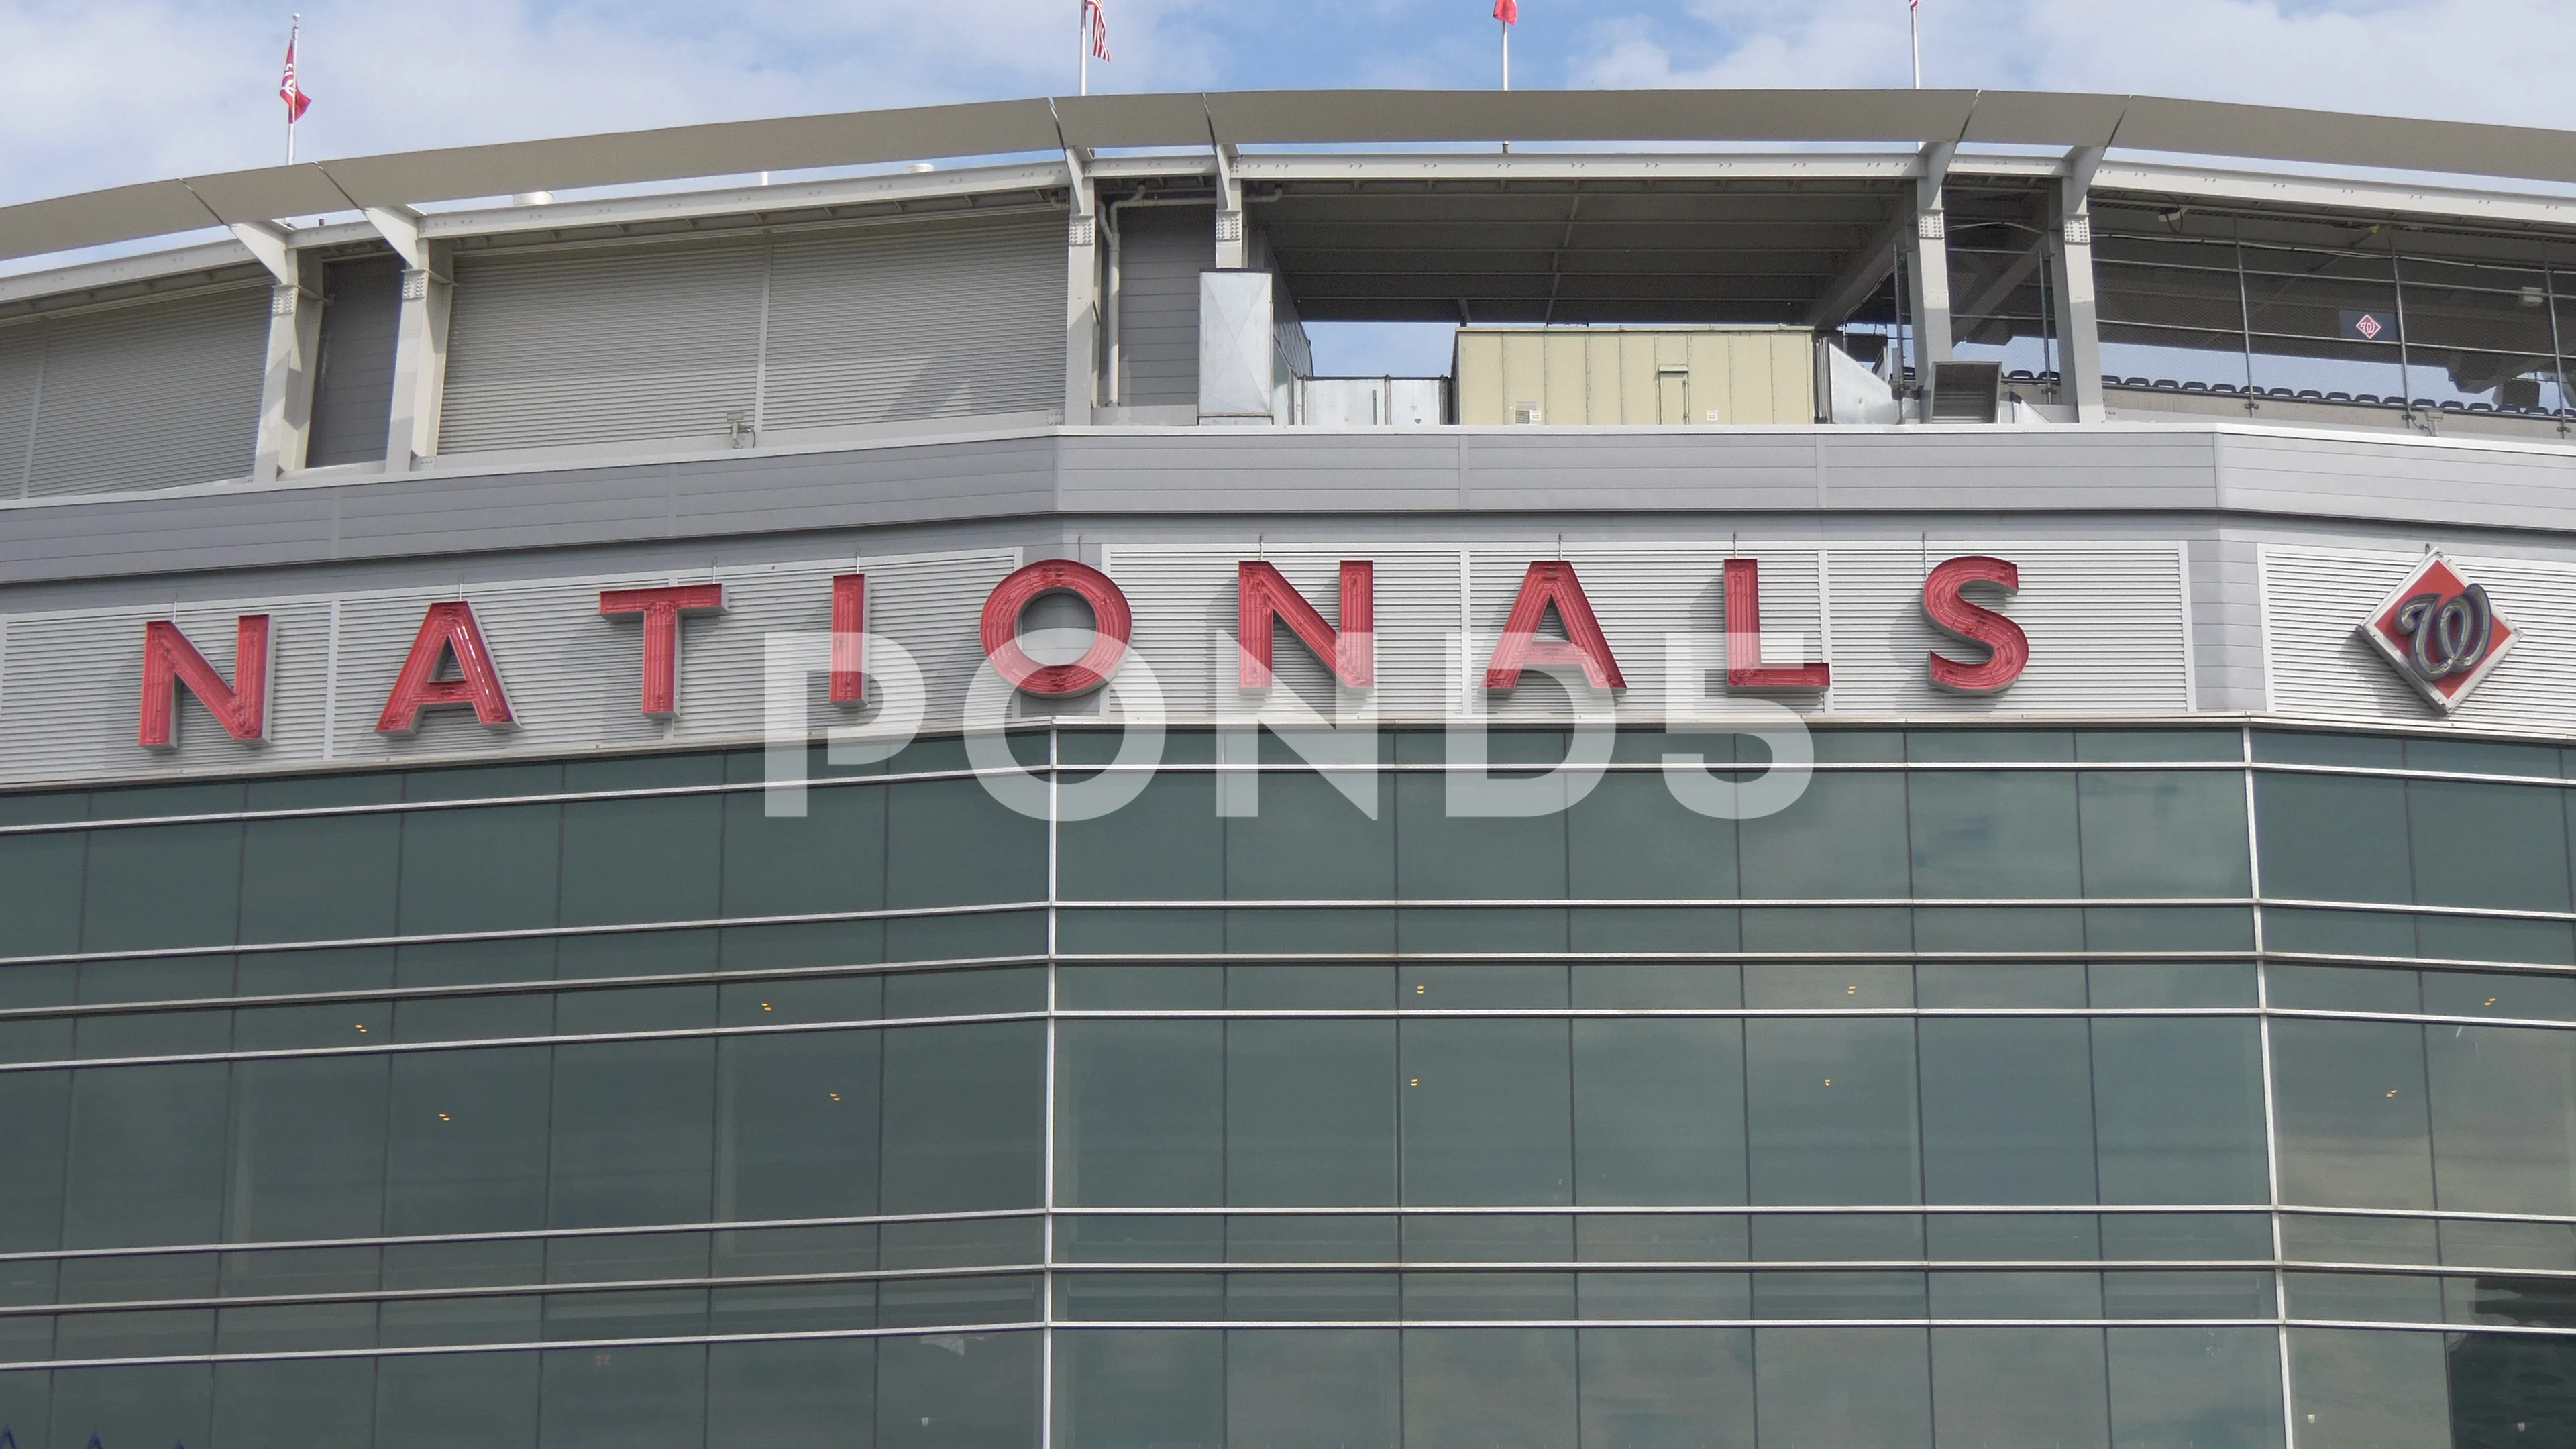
[287,90]
[1095,23]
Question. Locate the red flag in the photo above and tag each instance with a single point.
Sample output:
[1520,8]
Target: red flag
[1508,11]
[287,90]
[1095,23]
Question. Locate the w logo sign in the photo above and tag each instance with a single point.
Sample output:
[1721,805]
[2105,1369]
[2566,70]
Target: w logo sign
[2441,632]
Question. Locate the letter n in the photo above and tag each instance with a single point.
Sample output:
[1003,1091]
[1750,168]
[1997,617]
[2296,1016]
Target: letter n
[170,661]
[1263,597]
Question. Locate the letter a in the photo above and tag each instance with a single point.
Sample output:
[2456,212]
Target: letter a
[447,628]
[1584,644]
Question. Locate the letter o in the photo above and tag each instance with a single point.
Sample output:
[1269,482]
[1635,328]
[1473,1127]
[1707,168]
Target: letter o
[1112,622]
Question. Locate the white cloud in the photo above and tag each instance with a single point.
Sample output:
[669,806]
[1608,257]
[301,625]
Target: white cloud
[2488,60]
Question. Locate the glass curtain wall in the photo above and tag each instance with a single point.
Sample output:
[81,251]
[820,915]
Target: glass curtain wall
[2313,311]
[2110,1087]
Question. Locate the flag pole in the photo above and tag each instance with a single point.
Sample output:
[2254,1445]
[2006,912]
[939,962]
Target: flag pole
[1082,49]
[1507,54]
[294,32]
[1914,23]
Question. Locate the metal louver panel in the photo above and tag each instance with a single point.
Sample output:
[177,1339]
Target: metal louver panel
[594,348]
[929,321]
[155,395]
[353,383]
[2314,601]
[1161,252]
[22,362]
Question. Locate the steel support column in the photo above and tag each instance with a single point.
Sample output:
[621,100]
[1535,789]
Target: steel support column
[1232,251]
[420,364]
[294,342]
[1081,291]
[1931,270]
[2079,330]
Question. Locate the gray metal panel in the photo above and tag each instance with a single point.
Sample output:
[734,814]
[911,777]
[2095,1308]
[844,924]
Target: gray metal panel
[89,218]
[1133,120]
[151,395]
[269,193]
[916,321]
[2226,622]
[353,383]
[1588,477]
[2280,133]
[2047,118]
[2438,482]
[586,347]
[1161,252]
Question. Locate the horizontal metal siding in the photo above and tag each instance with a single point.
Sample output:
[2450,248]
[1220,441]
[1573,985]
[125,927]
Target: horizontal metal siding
[353,383]
[2314,601]
[1161,252]
[603,347]
[154,395]
[919,321]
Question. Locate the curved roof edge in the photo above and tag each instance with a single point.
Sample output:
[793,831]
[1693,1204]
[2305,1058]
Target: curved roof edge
[1246,118]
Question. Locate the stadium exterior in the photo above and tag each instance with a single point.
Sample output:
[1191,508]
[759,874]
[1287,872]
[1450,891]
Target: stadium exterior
[476,967]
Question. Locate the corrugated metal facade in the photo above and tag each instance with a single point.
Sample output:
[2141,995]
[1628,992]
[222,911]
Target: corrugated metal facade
[590,348]
[148,395]
[721,342]
[925,320]
[353,381]
[1161,252]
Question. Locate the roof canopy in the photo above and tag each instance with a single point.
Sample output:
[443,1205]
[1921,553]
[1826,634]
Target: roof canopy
[1284,118]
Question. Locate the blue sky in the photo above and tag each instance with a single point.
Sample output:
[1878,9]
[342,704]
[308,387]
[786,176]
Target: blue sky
[101,92]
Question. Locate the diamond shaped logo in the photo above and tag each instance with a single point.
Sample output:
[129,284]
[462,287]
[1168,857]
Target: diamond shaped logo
[2441,632]
[2368,327]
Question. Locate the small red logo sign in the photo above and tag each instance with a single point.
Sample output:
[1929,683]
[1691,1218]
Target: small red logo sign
[2368,327]
[2441,632]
